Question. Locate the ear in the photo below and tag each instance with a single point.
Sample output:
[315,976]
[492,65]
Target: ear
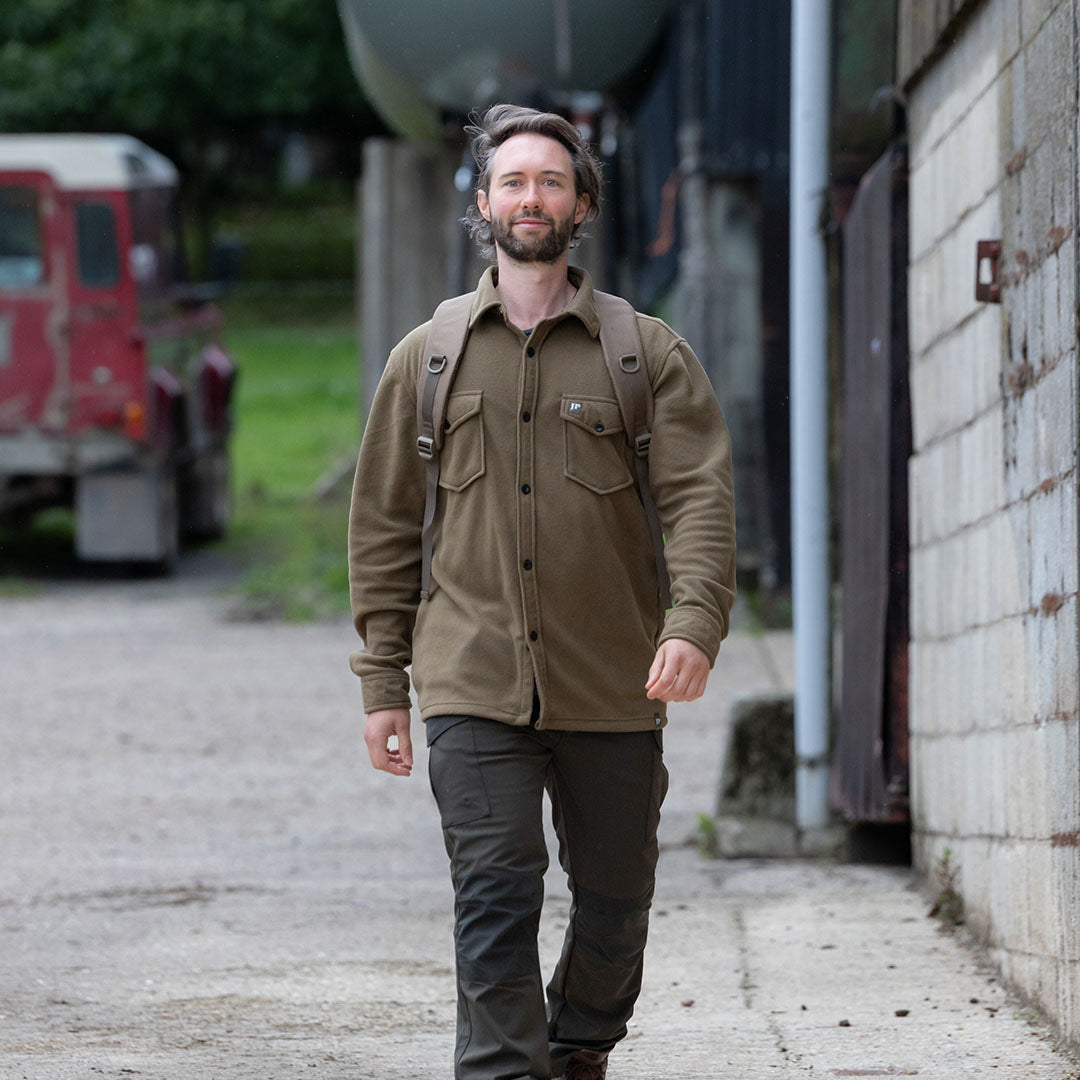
[482,204]
[581,209]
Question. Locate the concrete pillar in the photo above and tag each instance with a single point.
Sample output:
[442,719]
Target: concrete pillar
[734,356]
[408,212]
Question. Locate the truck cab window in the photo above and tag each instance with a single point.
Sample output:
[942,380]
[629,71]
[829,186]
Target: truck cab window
[95,228]
[22,264]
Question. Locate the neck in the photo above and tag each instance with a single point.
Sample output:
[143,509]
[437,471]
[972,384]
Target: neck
[532,292]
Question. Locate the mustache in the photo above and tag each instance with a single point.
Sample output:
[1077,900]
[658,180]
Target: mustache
[547,219]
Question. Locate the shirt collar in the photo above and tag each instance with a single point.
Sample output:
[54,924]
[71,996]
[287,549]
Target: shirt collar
[582,305]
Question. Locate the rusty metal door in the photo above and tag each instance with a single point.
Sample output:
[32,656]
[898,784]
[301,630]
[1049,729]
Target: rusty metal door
[870,775]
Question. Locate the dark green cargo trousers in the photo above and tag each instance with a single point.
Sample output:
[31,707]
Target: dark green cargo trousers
[605,790]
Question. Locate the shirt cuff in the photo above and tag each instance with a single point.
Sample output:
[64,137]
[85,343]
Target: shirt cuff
[694,626]
[385,692]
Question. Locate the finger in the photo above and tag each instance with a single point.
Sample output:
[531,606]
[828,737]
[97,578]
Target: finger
[680,689]
[380,757]
[394,764]
[673,678]
[659,687]
[665,689]
[404,742]
[655,668]
[663,670]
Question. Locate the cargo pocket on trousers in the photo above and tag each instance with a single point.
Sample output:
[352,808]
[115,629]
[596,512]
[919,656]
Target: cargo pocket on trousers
[457,781]
[462,458]
[594,443]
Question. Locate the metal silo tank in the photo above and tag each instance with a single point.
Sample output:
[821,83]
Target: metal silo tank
[421,58]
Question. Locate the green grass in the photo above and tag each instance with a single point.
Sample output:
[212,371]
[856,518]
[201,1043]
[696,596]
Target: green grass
[296,405]
[296,412]
[296,421]
[296,566]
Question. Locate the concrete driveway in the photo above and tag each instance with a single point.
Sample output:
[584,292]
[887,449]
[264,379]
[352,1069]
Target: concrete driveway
[202,878]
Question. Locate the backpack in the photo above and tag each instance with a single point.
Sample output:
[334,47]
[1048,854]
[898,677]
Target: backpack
[621,343]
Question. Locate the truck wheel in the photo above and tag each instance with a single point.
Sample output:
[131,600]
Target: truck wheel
[208,497]
[168,522]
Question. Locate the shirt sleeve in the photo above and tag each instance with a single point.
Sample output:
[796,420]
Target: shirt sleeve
[691,481]
[385,522]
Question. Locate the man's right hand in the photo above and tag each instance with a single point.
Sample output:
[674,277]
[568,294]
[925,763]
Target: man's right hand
[381,727]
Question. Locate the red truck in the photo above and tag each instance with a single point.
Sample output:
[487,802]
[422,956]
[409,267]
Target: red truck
[115,396]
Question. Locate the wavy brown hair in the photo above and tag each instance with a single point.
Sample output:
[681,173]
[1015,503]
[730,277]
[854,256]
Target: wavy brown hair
[501,122]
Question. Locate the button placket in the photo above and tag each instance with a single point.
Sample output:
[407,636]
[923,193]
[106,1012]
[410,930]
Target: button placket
[527,505]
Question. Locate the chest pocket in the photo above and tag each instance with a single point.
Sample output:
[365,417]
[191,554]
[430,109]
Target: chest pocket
[462,459]
[594,443]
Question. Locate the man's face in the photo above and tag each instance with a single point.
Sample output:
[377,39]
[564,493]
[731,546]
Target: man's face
[530,201]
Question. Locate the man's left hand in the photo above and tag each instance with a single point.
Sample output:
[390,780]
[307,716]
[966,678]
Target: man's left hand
[678,673]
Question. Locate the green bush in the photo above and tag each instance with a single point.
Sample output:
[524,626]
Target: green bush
[293,238]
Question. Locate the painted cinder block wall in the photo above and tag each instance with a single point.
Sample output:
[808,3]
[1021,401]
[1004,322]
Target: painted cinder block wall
[995,748]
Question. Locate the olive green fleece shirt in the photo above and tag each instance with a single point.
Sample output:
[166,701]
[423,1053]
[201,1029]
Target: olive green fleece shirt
[543,569]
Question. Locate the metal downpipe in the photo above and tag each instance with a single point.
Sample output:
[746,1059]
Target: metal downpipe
[810,83]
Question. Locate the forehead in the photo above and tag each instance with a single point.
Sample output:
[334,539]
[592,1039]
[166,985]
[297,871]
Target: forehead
[533,153]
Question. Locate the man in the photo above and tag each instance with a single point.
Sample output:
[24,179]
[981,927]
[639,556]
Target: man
[542,656]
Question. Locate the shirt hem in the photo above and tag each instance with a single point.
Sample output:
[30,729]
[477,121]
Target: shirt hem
[548,723]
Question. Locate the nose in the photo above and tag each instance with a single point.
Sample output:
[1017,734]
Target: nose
[531,197]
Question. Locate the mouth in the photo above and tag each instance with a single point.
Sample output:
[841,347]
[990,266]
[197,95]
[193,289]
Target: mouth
[530,223]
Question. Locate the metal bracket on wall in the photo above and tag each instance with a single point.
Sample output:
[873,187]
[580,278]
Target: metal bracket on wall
[987,268]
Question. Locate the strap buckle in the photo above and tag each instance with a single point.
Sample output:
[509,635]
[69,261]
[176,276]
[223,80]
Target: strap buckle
[435,364]
[642,444]
[425,446]
[629,363]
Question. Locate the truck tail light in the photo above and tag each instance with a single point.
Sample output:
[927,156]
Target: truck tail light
[166,395]
[135,420]
[216,378]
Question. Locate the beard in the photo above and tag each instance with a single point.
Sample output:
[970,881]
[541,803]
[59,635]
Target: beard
[546,248]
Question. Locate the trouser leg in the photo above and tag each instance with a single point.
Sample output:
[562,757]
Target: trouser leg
[488,780]
[606,791]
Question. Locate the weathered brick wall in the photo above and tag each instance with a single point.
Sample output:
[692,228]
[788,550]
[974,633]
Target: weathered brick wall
[995,747]
[922,29]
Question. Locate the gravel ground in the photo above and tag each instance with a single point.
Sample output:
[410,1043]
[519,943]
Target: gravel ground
[202,878]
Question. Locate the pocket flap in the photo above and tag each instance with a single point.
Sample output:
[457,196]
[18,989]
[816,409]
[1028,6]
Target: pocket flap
[598,416]
[459,407]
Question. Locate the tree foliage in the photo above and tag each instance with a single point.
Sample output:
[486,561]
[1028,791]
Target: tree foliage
[196,70]
[214,84]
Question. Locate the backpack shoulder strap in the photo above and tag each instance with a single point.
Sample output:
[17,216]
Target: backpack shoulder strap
[442,352]
[625,359]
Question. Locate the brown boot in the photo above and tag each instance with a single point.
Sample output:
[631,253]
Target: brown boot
[586,1065]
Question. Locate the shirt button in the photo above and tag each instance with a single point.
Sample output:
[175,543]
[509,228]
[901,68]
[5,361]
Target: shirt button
[533,635]
[527,564]
[526,417]
[598,426]
[525,489]
[530,351]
